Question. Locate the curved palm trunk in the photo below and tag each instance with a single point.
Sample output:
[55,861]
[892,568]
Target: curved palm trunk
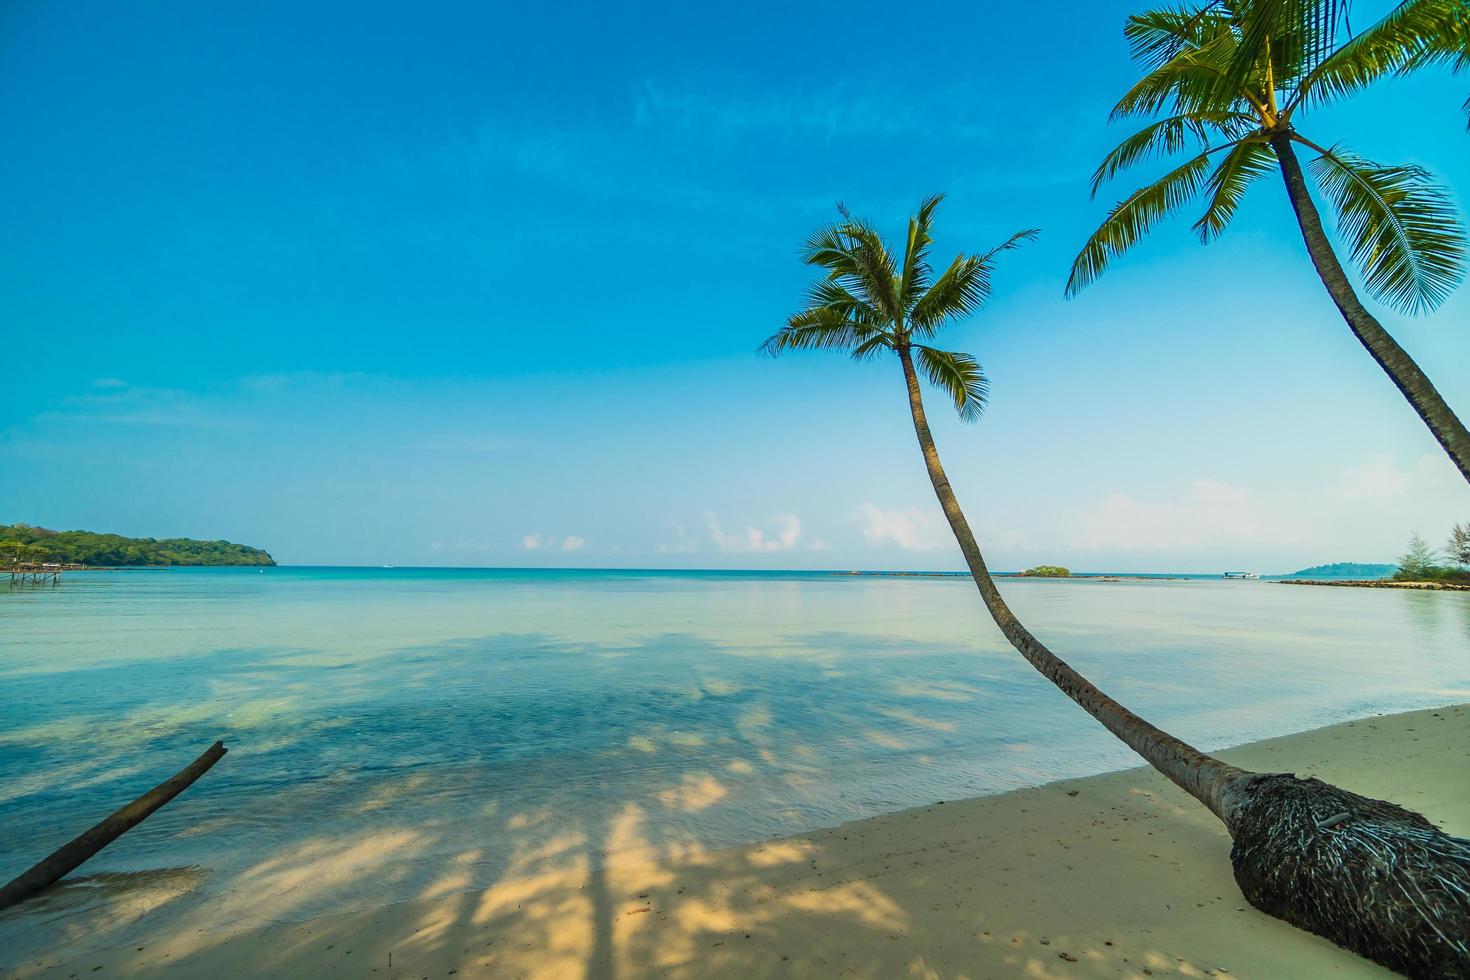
[1212,782]
[1368,875]
[1394,360]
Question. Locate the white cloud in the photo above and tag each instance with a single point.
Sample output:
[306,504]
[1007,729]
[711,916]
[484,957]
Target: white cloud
[684,543]
[1209,513]
[572,543]
[1365,513]
[1381,477]
[531,542]
[755,538]
[911,529]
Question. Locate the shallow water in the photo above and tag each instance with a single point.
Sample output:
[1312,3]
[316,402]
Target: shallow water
[397,734]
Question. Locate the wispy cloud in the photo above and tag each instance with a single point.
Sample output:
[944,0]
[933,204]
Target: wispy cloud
[537,542]
[114,402]
[784,538]
[842,111]
[1381,476]
[684,542]
[1215,516]
[911,529]
[1207,513]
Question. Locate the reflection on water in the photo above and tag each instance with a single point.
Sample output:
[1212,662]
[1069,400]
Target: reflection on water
[408,734]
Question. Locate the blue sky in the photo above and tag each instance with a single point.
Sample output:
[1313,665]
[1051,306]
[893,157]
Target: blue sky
[483,285]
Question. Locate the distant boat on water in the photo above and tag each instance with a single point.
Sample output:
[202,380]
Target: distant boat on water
[1240,574]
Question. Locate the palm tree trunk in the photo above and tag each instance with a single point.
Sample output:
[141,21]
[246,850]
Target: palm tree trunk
[1212,782]
[1394,360]
[67,858]
[1368,875]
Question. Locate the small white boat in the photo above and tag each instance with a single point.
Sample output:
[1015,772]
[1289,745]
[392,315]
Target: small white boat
[1240,574]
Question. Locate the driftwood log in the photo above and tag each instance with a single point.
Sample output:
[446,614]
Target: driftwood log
[70,856]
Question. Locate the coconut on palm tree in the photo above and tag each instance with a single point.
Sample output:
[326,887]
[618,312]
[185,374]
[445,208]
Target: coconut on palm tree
[1369,875]
[1232,82]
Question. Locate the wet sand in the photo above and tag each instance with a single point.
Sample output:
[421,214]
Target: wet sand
[1113,875]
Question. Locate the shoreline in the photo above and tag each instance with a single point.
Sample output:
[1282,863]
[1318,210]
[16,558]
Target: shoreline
[1100,876]
[1381,583]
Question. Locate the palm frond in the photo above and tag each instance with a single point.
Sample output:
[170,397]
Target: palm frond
[1291,37]
[1132,217]
[961,289]
[819,328]
[1187,83]
[1401,226]
[1415,34]
[1156,37]
[874,267]
[1247,160]
[957,375]
[873,345]
[1010,244]
[837,295]
[916,270]
[828,248]
[1170,135]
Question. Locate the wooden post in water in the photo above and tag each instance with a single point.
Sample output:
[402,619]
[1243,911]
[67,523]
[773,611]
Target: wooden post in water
[35,573]
[69,857]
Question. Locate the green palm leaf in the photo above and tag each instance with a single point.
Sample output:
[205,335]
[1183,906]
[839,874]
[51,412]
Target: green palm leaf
[961,289]
[1401,226]
[1187,83]
[1170,135]
[1415,34]
[1247,160]
[1132,217]
[873,267]
[874,345]
[864,306]
[916,254]
[1290,37]
[820,328]
[957,375]
[1156,37]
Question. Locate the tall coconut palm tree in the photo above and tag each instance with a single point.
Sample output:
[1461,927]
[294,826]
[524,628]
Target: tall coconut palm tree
[1371,876]
[1232,80]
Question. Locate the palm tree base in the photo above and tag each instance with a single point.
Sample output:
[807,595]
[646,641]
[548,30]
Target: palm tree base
[1368,875]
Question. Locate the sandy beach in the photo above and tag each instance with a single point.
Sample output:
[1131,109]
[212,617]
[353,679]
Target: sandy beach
[1113,875]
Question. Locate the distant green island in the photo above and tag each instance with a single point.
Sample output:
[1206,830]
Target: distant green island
[21,542]
[1346,569]
[1046,571]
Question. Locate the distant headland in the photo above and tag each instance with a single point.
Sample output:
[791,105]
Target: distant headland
[24,543]
[1346,569]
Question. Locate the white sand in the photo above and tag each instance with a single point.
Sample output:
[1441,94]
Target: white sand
[1115,875]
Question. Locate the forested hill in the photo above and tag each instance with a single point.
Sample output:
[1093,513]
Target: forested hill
[1346,569]
[38,544]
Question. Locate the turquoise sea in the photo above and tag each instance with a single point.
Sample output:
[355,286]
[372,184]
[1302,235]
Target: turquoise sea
[401,733]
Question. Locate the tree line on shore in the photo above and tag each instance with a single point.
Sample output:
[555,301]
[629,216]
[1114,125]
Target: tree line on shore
[1423,563]
[1228,81]
[22,543]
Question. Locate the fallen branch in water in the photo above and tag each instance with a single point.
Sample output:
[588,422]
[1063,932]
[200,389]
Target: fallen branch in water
[70,856]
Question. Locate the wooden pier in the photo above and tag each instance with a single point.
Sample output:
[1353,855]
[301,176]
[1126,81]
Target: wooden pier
[35,573]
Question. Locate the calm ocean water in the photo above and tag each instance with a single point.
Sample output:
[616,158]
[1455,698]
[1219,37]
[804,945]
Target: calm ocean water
[403,733]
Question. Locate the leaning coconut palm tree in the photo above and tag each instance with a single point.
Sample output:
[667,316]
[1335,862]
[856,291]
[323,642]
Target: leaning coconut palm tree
[1232,80]
[1369,875]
